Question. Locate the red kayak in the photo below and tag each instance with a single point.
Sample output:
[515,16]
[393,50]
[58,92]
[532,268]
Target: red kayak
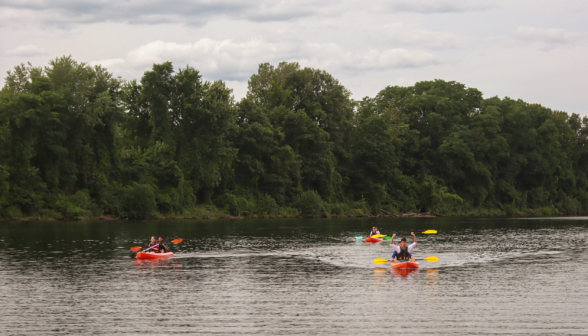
[151,255]
[405,265]
[373,240]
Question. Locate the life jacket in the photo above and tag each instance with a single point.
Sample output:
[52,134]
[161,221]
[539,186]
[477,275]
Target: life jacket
[374,233]
[162,247]
[403,255]
[155,247]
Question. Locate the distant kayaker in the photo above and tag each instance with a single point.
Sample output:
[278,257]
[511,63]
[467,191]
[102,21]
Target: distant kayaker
[153,245]
[401,251]
[374,231]
[162,247]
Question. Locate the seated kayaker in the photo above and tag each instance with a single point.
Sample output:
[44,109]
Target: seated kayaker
[374,231]
[153,245]
[162,246]
[401,251]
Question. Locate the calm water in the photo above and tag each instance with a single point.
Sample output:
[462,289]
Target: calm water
[496,276]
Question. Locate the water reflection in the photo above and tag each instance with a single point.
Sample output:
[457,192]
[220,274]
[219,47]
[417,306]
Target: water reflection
[404,272]
[157,264]
[380,278]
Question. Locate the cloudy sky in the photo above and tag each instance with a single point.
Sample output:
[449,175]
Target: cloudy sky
[535,50]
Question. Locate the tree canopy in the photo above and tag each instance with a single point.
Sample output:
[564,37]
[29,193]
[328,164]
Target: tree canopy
[75,141]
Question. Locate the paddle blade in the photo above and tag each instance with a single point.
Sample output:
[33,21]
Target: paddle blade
[432,259]
[430,232]
[387,238]
[378,236]
[358,237]
[177,241]
[380,261]
[136,248]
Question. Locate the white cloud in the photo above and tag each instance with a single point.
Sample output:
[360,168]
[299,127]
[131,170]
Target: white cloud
[549,38]
[236,61]
[28,50]
[108,63]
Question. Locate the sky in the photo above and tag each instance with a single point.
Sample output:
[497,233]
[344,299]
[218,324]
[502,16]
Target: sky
[534,50]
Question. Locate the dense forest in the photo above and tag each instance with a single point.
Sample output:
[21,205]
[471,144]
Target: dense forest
[77,142]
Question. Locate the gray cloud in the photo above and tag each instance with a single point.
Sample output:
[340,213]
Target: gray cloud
[66,13]
[440,6]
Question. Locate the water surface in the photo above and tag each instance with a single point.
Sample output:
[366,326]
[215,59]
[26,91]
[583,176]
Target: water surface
[496,276]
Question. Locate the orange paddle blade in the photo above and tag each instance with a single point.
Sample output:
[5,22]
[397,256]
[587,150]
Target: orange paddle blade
[136,248]
[177,241]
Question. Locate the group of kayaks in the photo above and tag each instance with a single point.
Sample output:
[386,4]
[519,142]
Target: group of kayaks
[405,265]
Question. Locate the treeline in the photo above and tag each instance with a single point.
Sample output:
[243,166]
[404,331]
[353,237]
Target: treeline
[77,142]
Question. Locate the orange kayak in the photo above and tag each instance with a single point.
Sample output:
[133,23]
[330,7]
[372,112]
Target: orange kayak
[373,240]
[405,265]
[151,255]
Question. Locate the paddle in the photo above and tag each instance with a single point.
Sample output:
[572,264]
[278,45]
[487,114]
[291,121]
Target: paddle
[425,232]
[137,248]
[383,261]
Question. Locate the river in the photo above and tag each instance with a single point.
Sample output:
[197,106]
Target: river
[495,276]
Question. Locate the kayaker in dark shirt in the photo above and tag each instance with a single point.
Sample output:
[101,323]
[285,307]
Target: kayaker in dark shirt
[374,231]
[162,246]
[153,245]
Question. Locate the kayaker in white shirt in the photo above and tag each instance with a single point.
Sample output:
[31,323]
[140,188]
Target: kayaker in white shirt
[374,231]
[402,252]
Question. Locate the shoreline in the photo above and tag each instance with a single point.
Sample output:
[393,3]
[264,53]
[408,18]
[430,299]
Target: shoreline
[381,215]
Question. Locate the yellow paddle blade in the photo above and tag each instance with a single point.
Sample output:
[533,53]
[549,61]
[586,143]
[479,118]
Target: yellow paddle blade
[378,236]
[430,232]
[431,259]
[380,261]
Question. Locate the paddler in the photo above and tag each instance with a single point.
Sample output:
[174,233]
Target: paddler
[153,245]
[401,251]
[162,247]
[374,231]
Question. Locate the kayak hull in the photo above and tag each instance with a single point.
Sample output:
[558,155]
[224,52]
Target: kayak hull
[151,255]
[405,265]
[373,240]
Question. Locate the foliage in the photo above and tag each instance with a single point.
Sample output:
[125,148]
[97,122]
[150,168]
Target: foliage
[310,204]
[78,142]
[78,205]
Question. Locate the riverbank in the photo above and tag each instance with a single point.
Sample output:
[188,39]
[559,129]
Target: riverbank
[211,212]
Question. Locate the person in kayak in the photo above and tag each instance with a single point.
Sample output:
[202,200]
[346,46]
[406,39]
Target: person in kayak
[374,231]
[401,251]
[162,248]
[153,245]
